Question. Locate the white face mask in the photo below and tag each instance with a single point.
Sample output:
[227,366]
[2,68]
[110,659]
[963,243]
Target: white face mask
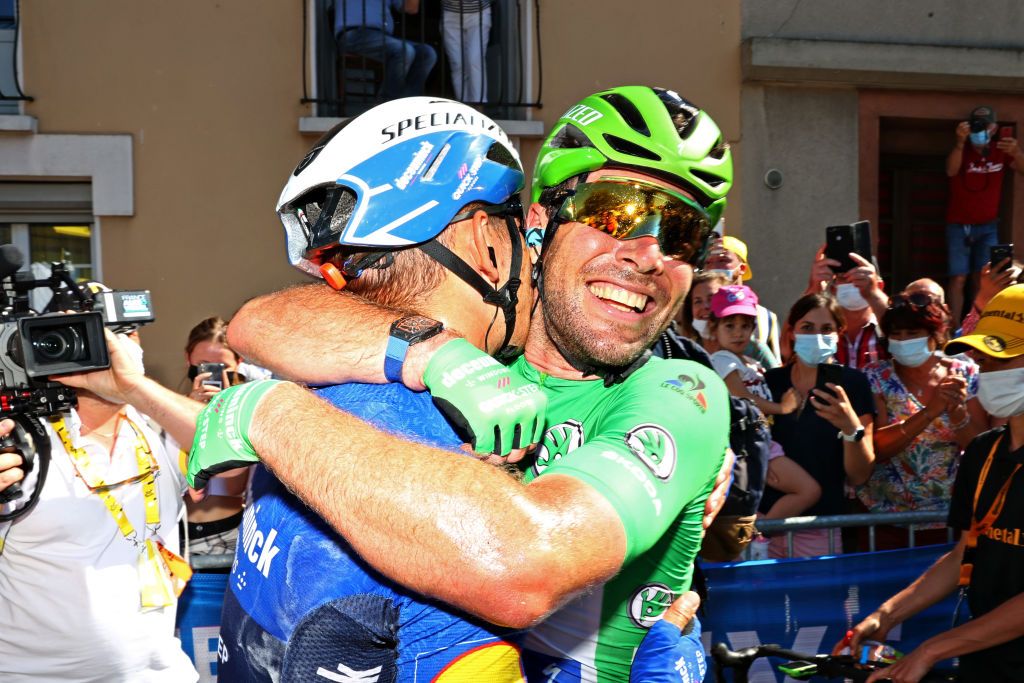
[999,392]
[724,272]
[702,328]
[849,297]
[815,348]
[910,352]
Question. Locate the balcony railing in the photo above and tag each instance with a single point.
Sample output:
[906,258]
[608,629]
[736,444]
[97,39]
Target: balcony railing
[10,88]
[364,52]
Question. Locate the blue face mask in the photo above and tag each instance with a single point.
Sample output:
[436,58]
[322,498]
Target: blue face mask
[815,348]
[910,352]
[980,138]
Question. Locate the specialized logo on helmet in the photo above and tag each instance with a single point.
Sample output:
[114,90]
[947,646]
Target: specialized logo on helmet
[648,604]
[559,440]
[441,118]
[582,114]
[994,343]
[655,447]
[690,387]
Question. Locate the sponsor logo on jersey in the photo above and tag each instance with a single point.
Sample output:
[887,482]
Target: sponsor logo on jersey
[582,115]
[690,387]
[347,675]
[648,604]
[258,547]
[638,474]
[559,440]
[655,447]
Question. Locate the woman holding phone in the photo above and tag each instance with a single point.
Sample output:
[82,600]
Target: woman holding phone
[926,414]
[830,434]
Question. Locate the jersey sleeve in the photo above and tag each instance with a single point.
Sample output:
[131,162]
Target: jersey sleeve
[656,449]
[725,363]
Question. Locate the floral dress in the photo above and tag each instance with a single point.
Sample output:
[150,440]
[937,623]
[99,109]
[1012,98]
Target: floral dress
[921,476]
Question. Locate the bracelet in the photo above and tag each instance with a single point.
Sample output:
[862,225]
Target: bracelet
[962,423]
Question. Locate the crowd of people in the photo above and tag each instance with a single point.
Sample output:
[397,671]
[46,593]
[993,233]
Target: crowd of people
[367,545]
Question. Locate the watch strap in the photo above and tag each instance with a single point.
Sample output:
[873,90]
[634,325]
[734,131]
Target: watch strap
[404,333]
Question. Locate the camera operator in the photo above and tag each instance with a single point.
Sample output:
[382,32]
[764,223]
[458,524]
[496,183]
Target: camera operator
[89,575]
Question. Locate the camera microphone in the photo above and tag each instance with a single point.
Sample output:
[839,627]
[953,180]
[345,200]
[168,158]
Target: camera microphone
[11,259]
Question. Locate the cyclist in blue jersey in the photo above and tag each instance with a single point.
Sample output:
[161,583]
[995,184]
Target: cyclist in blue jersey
[622,276]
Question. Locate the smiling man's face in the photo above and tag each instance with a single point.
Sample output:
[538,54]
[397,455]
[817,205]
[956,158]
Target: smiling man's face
[606,300]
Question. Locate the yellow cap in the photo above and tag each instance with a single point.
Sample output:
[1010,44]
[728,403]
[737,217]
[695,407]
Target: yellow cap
[738,247]
[1000,330]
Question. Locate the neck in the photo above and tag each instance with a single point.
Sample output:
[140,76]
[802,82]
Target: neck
[542,353]
[96,414]
[921,373]
[856,320]
[804,374]
[471,317]
[1016,424]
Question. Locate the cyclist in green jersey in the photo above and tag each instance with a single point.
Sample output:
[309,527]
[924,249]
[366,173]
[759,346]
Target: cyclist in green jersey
[627,186]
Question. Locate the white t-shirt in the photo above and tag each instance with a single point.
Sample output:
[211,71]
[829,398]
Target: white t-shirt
[70,609]
[751,373]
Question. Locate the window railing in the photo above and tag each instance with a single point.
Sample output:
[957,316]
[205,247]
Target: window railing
[364,52]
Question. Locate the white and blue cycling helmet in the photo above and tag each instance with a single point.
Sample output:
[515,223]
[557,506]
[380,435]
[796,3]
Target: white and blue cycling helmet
[395,177]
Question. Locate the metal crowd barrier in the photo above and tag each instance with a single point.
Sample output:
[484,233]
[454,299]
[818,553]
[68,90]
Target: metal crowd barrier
[202,563]
[870,520]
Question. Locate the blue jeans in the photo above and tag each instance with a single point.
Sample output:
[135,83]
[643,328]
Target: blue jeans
[968,246]
[406,64]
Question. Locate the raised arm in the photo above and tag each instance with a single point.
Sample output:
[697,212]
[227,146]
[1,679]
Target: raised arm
[956,155]
[314,334]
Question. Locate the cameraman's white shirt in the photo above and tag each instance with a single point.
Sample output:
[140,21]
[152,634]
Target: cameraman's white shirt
[69,588]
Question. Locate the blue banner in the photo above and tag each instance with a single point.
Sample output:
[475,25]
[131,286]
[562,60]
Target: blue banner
[808,604]
[198,622]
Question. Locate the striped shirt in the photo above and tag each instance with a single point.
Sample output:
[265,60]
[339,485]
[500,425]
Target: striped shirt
[863,349]
[465,6]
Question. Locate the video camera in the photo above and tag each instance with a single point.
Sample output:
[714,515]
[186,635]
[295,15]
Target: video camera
[35,345]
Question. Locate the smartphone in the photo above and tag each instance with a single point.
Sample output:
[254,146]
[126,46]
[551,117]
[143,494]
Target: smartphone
[1000,252]
[829,372]
[1006,132]
[216,379]
[841,240]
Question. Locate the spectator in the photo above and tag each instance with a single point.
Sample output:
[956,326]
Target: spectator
[89,576]
[926,414]
[829,435]
[859,294]
[995,277]
[975,173]
[212,526]
[467,29]
[366,27]
[697,313]
[729,257]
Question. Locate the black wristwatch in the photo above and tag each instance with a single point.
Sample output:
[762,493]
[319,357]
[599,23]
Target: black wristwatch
[405,332]
[858,434]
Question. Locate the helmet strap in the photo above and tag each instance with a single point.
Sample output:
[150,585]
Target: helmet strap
[506,297]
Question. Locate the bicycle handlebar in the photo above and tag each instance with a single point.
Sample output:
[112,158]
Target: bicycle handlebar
[827,666]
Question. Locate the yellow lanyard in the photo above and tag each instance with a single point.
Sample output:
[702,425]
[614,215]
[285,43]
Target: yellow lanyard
[980,527]
[162,572]
[144,459]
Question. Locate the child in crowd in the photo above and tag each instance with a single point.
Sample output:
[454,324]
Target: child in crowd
[733,312]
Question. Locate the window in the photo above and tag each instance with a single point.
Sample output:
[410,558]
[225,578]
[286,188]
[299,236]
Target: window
[42,244]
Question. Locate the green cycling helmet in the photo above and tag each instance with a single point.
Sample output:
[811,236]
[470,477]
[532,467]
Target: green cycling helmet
[650,130]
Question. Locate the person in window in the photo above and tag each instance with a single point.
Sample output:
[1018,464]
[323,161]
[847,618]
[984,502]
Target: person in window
[467,27]
[366,27]
[926,413]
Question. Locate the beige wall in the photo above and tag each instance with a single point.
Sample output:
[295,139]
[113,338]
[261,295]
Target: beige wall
[689,46]
[210,93]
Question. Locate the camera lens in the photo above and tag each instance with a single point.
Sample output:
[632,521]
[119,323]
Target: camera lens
[59,345]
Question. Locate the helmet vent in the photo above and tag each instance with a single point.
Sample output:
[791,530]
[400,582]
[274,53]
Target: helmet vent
[314,204]
[629,148]
[711,180]
[498,153]
[628,111]
[570,137]
[718,151]
[683,114]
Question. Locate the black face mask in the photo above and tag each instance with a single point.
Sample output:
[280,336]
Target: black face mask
[233,377]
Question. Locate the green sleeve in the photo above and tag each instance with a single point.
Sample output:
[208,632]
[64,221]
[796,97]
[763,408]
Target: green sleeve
[656,449]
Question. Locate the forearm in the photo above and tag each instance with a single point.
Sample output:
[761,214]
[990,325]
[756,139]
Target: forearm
[1002,624]
[316,335]
[859,456]
[954,160]
[469,534]
[878,301]
[933,585]
[893,439]
[172,411]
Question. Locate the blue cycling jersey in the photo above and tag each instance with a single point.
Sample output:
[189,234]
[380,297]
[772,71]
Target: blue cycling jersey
[303,606]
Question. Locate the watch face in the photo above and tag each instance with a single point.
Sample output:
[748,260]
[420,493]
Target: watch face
[416,324]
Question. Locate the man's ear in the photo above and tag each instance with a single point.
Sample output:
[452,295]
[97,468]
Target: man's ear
[478,239]
[536,224]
